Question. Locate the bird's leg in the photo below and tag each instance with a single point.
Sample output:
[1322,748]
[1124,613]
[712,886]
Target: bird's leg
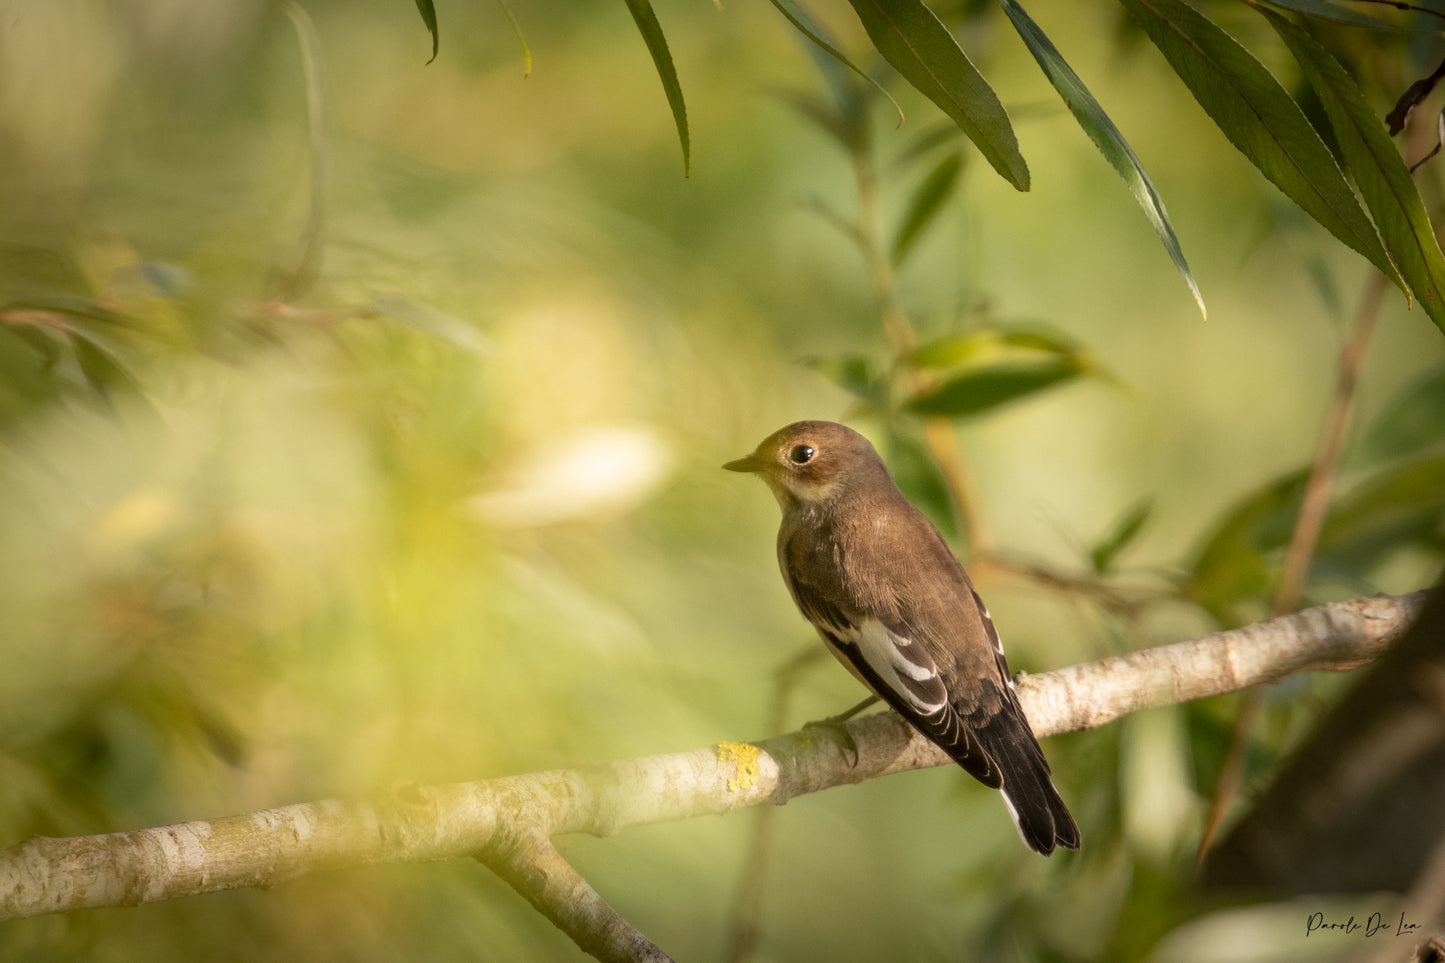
[837,726]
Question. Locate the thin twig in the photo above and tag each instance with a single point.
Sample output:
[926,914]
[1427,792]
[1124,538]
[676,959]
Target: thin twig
[1314,506]
[532,866]
[1127,603]
[1316,503]
[743,929]
[938,434]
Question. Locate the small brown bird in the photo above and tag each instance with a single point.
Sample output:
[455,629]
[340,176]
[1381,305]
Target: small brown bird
[893,604]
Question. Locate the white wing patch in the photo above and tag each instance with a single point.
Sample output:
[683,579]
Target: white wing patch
[903,666]
[992,631]
[988,625]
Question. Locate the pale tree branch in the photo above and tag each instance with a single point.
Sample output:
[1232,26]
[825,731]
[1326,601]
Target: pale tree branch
[508,823]
[532,866]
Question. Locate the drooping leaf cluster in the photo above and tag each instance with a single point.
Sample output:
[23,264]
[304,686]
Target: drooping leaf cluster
[1392,228]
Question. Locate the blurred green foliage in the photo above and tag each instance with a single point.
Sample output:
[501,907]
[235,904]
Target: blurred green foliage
[444,504]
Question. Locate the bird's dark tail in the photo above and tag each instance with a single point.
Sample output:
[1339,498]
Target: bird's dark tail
[1028,787]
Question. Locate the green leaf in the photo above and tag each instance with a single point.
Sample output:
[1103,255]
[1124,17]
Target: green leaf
[305,263]
[652,35]
[990,345]
[927,139]
[1260,119]
[1233,566]
[855,374]
[1403,505]
[1130,524]
[1323,10]
[809,28]
[100,368]
[828,119]
[919,47]
[976,391]
[1105,135]
[429,320]
[926,203]
[1380,173]
[517,29]
[1415,420]
[920,480]
[429,17]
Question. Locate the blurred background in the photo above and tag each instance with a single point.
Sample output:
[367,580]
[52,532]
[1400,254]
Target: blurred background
[385,451]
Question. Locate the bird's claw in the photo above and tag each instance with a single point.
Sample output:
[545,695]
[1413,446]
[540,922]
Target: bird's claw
[837,726]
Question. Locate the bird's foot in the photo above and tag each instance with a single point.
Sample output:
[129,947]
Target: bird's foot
[838,727]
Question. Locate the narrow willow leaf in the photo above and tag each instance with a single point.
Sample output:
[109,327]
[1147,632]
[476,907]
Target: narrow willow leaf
[517,29]
[1324,10]
[927,139]
[809,28]
[977,391]
[429,17]
[988,345]
[38,339]
[1260,119]
[1234,564]
[927,201]
[435,322]
[305,262]
[854,373]
[820,112]
[920,480]
[1105,135]
[652,35]
[101,369]
[919,47]
[1413,421]
[1400,506]
[1130,524]
[1380,173]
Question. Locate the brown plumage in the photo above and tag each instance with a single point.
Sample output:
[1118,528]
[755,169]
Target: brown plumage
[893,604]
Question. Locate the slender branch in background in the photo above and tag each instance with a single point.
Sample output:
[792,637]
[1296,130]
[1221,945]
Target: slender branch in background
[743,928]
[305,264]
[1127,603]
[533,867]
[1314,506]
[938,433]
[1316,502]
[505,821]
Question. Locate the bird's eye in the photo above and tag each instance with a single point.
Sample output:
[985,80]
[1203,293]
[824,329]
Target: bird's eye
[801,454]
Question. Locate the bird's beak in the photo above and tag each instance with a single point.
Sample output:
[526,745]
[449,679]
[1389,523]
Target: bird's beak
[750,463]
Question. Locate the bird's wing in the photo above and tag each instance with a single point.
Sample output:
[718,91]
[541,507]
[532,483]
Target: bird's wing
[899,669]
[1005,677]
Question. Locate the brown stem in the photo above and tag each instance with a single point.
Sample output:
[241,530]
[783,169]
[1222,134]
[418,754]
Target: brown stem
[1314,506]
[534,868]
[938,433]
[743,928]
[1127,603]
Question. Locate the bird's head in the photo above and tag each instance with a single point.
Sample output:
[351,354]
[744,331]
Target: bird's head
[808,462]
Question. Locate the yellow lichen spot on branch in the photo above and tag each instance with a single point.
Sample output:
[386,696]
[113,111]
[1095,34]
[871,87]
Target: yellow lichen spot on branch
[744,755]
